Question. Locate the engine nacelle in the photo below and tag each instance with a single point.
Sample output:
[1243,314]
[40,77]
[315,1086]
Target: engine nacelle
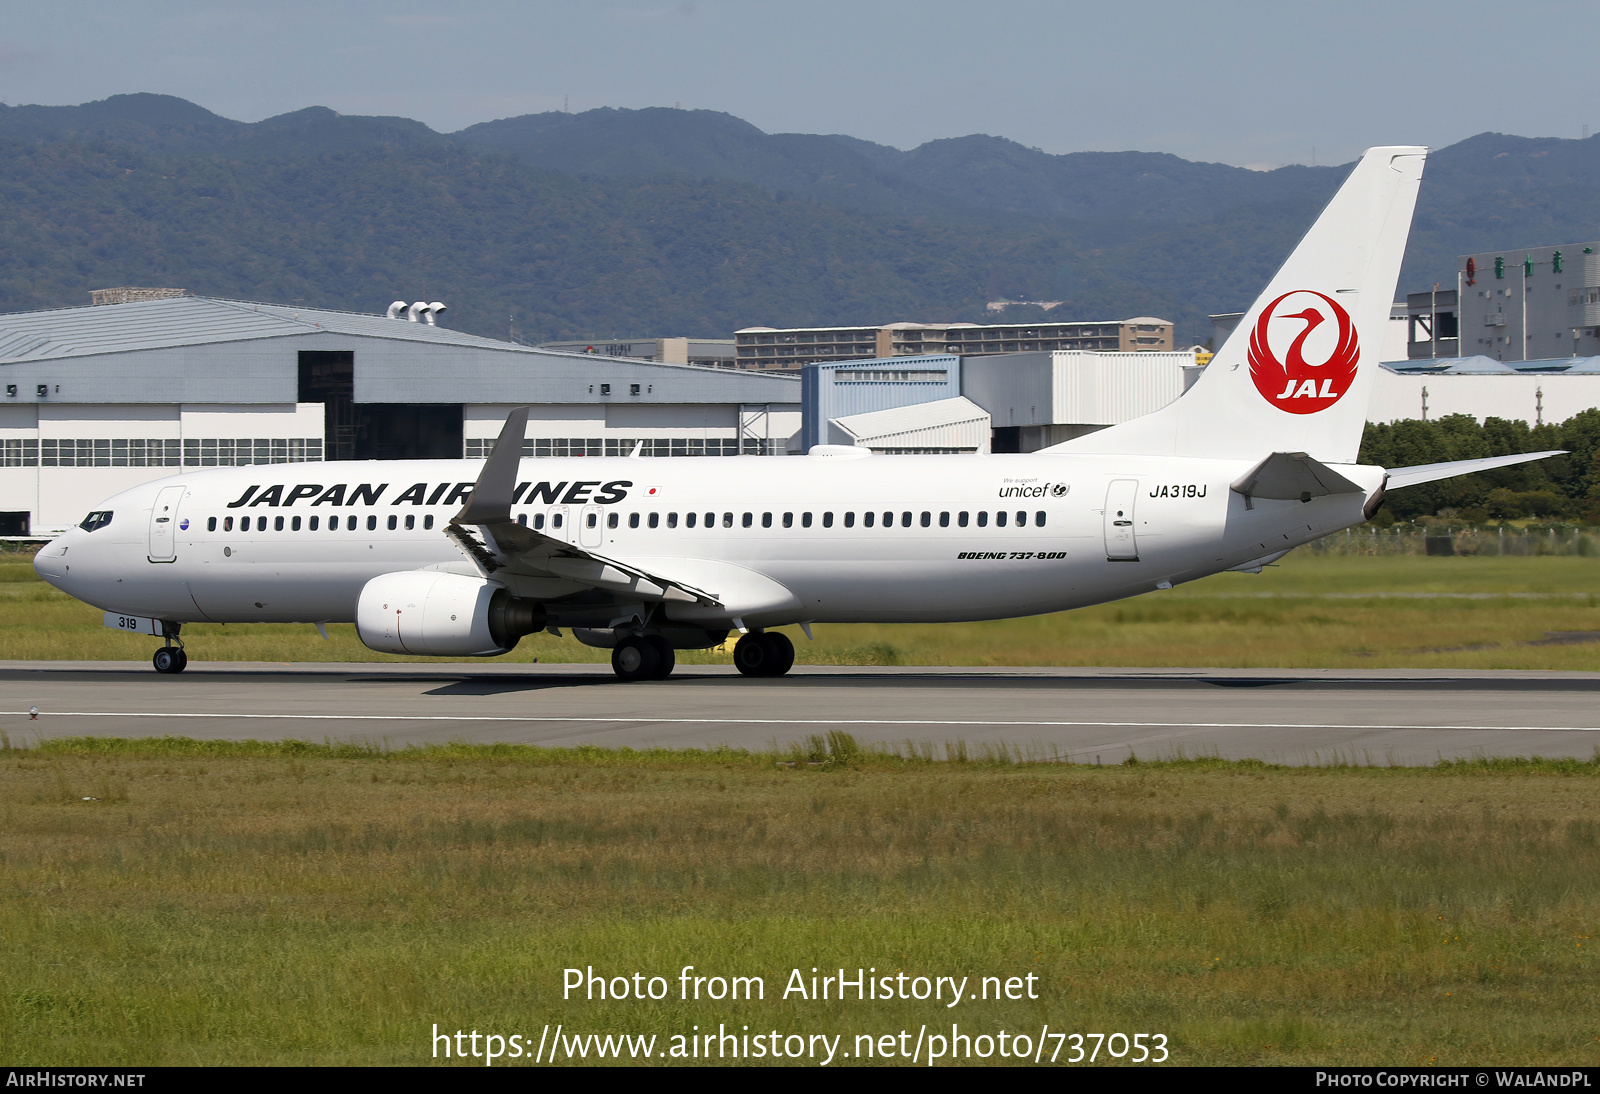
[433,614]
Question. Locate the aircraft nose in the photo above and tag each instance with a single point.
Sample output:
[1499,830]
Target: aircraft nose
[51,562]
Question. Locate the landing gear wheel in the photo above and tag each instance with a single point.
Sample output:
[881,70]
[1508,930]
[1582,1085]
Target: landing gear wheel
[668,658]
[170,659]
[782,651]
[764,654]
[635,658]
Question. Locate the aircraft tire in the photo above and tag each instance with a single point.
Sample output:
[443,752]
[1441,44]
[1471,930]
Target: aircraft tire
[667,658]
[635,658]
[169,660]
[781,651]
[752,655]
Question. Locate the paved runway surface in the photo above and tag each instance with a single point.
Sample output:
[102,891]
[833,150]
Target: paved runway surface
[1384,716]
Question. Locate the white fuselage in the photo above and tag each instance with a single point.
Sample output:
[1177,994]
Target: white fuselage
[779,541]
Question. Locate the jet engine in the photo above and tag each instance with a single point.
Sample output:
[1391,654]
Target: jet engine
[437,614]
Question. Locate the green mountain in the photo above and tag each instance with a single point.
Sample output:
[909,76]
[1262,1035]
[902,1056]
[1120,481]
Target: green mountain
[670,221]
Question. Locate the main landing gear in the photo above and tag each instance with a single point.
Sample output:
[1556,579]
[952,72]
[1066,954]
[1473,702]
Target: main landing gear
[650,657]
[170,659]
[643,657]
[763,653]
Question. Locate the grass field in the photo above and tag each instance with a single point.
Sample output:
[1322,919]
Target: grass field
[1310,612]
[225,903]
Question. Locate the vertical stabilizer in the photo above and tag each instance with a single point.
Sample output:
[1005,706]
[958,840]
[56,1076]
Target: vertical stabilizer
[1296,374]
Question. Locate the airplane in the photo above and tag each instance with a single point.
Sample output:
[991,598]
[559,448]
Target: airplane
[459,558]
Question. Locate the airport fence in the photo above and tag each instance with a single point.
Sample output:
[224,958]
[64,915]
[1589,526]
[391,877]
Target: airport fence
[1551,539]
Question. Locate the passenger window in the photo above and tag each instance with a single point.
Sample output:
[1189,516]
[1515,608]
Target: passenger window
[983,520]
[261,524]
[312,524]
[749,520]
[888,520]
[944,520]
[411,521]
[849,520]
[805,520]
[277,524]
[633,520]
[961,519]
[227,524]
[538,522]
[927,519]
[711,520]
[867,519]
[905,520]
[827,520]
[788,520]
[655,520]
[612,519]
[1000,519]
[394,522]
[1038,519]
[594,520]
[672,520]
[211,525]
[350,522]
[294,524]
[727,520]
[1022,519]
[522,519]
[766,520]
[555,520]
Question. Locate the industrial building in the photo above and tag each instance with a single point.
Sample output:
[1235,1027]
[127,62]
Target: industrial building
[1535,392]
[1531,303]
[1018,402]
[841,390]
[705,352]
[768,348]
[101,398]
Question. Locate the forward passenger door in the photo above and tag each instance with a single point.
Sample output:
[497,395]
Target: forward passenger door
[164,524]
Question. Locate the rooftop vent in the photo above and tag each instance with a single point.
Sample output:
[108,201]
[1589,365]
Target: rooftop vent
[420,312]
[130,295]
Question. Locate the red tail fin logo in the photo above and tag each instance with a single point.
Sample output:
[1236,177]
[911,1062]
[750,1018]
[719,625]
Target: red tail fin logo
[1290,382]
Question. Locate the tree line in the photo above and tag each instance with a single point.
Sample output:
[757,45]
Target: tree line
[1565,487]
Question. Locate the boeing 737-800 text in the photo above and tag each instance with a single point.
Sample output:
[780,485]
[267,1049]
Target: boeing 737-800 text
[645,556]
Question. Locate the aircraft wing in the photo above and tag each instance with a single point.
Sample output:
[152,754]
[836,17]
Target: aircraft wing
[1433,472]
[486,534]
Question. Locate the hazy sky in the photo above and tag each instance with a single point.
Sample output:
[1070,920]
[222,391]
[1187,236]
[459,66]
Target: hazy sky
[1251,83]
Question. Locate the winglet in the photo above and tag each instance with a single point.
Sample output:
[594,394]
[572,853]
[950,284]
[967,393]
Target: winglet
[490,500]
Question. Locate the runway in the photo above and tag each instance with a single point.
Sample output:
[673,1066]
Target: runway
[1086,715]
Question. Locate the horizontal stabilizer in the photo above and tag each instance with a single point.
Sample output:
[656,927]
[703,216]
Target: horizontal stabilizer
[1292,476]
[1433,472]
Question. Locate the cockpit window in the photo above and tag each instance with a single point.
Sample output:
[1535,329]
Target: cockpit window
[96,520]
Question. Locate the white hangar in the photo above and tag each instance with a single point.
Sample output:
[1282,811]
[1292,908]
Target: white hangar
[95,400]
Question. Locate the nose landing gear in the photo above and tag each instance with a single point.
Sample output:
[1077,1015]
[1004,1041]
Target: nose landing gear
[171,659]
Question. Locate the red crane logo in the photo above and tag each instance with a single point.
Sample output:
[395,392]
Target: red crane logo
[1292,383]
